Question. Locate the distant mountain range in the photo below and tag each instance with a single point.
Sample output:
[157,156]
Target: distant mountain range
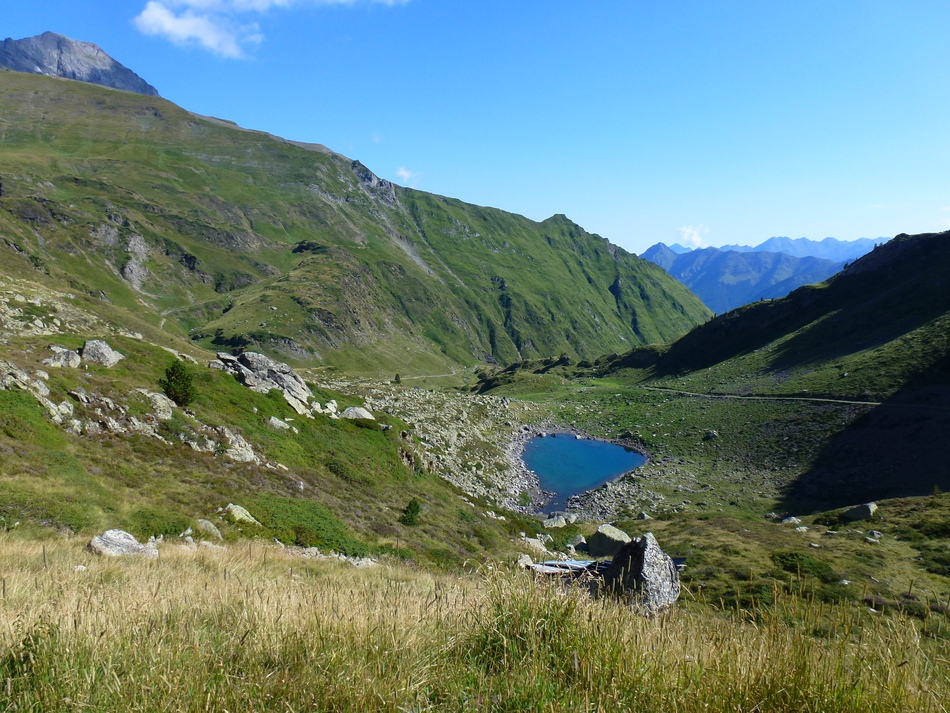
[733,275]
[726,279]
[828,249]
[58,56]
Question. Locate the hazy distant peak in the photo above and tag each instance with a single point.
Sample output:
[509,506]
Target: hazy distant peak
[55,55]
[828,249]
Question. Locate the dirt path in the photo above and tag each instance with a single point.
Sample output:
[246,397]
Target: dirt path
[774,398]
[885,404]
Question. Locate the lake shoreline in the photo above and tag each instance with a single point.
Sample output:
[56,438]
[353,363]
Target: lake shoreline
[540,497]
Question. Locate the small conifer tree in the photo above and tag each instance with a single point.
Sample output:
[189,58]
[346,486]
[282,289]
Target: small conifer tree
[410,515]
[178,383]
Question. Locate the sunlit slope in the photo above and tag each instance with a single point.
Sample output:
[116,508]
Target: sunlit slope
[237,238]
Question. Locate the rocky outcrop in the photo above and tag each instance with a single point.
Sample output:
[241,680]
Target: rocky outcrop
[607,541]
[261,374]
[209,528]
[58,56]
[99,352]
[643,575]
[163,407]
[63,358]
[238,448]
[357,412]
[470,440]
[240,514]
[118,543]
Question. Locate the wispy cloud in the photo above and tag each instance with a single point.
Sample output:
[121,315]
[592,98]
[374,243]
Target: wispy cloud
[692,236]
[407,177]
[223,27]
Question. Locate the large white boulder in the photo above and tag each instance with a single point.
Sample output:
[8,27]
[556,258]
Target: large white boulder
[117,543]
[99,352]
[358,412]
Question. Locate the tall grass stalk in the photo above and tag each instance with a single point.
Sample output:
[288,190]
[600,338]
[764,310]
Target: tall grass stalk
[235,630]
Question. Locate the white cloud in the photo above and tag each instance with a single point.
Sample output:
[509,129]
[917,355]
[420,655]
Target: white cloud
[215,33]
[407,177]
[216,25]
[691,236]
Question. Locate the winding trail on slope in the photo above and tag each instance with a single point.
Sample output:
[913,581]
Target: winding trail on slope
[794,398]
[767,398]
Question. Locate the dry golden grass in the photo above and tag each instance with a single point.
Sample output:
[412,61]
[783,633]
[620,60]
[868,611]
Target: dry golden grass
[255,628]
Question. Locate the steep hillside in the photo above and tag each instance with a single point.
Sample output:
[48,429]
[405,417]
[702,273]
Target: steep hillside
[726,279]
[885,308]
[236,239]
[876,333]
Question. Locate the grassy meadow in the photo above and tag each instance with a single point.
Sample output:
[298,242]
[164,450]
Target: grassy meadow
[256,627]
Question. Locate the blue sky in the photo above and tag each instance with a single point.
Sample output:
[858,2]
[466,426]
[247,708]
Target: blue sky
[643,121]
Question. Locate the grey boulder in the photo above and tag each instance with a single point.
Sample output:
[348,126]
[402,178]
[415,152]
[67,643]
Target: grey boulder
[117,543]
[261,373]
[358,412]
[644,576]
[209,528]
[607,541]
[63,358]
[99,352]
[240,514]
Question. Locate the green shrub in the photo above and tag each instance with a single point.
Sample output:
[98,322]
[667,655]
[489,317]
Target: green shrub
[178,383]
[804,565]
[295,521]
[149,521]
[410,515]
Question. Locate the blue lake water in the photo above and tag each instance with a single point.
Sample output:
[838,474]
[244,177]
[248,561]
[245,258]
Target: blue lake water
[567,465]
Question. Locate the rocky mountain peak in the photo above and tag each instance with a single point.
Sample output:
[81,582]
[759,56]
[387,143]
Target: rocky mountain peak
[59,56]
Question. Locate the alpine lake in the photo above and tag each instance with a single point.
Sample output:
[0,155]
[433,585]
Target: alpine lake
[567,464]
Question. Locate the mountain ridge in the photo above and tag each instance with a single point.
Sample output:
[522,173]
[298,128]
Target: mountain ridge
[242,240]
[726,279]
[56,55]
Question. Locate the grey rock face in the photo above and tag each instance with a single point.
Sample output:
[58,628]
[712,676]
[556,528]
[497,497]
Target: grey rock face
[240,514]
[100,352]
[63,358]
[209,528]
[57,56]
[238,448]
[162,407]
[116,543]
[860,512]
[607,541]
[262,374]
[357,412]
[644,575]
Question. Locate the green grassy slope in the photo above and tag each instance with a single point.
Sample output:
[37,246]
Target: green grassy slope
[235,238]
[334,484]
